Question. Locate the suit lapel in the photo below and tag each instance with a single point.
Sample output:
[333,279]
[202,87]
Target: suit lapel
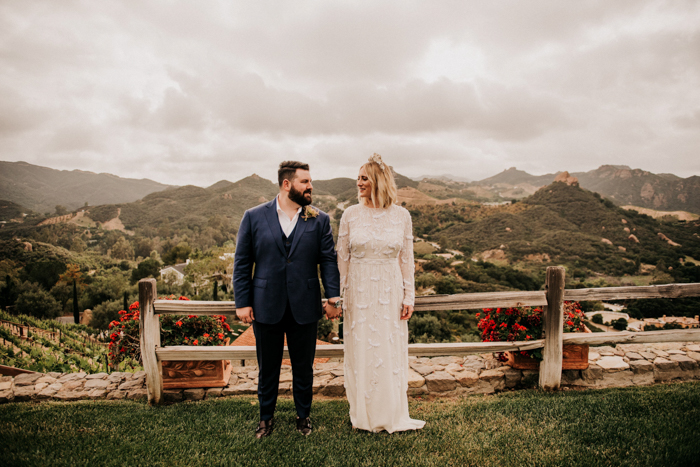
[274,224]
[299,230]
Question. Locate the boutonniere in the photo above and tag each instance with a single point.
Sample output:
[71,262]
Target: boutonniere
[309,212]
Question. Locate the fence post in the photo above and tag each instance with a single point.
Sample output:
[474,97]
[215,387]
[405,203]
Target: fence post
[149,331]
[553,326]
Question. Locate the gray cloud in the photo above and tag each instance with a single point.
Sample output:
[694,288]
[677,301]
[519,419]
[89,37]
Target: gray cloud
[192,93]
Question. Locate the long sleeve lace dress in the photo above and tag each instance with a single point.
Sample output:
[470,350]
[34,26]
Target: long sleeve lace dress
[375,258]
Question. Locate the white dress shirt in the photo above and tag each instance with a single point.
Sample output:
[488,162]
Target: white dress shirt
[286,223]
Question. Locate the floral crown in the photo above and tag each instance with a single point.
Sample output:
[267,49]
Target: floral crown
[377,159]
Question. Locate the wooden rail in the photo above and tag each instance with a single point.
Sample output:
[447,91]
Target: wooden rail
[552,298]
[186,352]
[472,301]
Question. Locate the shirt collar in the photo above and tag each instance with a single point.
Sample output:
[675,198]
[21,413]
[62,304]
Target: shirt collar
[279,209]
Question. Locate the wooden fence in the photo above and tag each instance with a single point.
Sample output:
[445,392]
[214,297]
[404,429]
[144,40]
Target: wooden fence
[552,298]
[22,331]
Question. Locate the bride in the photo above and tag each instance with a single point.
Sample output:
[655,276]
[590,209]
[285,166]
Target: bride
[375,259]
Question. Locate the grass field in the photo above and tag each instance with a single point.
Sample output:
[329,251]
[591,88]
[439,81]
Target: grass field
[657,425]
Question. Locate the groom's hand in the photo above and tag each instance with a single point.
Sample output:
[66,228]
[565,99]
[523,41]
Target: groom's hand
[245,314]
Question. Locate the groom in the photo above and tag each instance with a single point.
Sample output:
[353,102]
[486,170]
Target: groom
[280,247]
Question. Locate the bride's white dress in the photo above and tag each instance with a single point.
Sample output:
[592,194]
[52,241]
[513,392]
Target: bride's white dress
[375,258]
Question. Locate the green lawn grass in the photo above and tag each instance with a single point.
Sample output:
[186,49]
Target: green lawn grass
[657,425]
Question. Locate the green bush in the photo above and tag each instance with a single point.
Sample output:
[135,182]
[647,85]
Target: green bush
[597,318]
[105,313]
[325,326]
[35,301]
[428,329]
[149,267]
[619,324]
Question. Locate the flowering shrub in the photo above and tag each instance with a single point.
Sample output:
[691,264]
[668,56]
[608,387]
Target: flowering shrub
[124,344]
[524,324]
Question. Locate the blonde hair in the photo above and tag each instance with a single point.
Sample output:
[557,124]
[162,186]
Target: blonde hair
[383,192]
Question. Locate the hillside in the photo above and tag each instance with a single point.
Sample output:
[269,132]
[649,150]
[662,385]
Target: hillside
[620,183]
[10,210]
[513,176]
[41,188]
[194,207]
[567,224]
[641,188]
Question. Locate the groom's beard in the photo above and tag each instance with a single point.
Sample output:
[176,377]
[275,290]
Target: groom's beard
[301,198]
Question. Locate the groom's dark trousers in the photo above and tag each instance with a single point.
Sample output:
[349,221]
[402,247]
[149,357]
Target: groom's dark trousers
[278,277]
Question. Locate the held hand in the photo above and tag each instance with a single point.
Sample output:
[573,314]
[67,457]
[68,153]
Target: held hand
[245,314]
[406,312]
[331,311]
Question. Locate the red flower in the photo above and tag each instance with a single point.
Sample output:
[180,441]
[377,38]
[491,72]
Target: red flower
[570,323]
[206,335]
[221,335]
[195,342]
[191,316]
[179,324]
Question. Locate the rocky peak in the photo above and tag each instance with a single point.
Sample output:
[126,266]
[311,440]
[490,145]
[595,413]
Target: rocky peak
[566,178]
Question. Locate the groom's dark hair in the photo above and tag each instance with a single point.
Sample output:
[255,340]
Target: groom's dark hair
[288,170]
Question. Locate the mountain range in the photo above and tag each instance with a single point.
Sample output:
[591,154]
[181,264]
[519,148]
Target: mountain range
[40,189]
[621,184]
[29,187]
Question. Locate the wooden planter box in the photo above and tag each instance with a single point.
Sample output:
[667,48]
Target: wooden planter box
[575,357]
[196,374]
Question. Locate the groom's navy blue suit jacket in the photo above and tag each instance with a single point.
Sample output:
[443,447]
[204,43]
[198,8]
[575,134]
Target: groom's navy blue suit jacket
[266,278]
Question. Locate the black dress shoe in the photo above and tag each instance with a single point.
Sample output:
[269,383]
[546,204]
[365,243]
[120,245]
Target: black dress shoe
[264,428]
[304,426]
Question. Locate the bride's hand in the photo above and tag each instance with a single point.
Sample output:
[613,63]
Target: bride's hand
[406,312]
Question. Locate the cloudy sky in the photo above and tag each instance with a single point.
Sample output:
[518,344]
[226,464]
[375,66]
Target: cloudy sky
[195,92]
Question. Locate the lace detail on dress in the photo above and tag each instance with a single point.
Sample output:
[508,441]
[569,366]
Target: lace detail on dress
[375,259]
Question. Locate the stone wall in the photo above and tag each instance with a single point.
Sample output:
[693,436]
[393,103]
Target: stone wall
[620,366]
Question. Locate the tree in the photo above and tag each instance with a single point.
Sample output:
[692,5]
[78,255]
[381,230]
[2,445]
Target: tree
[619,324]
[37,302]
[76,310]
[597,318]
[149,267]
[8,293]
[215,292]
[61,210]
[178,254]
[143,247]
[45,273]
[105,313]
[122,249]
[72,274]
[78,245]
[108,286]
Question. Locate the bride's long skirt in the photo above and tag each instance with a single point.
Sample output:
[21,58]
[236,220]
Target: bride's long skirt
[376,347]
